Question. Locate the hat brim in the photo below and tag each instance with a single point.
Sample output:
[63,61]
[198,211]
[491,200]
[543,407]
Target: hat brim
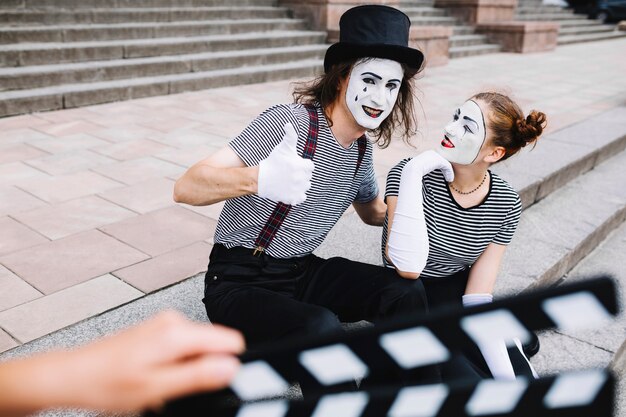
[344,51]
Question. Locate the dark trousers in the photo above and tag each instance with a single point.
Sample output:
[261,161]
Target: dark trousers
[448,291]
[269,299]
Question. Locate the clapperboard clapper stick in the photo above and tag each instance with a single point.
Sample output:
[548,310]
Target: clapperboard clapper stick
[409,343]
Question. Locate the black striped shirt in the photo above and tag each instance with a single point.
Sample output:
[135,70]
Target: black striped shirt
[334,185]
[457,236]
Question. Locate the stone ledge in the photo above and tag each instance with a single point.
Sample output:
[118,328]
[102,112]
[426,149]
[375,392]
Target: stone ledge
[522,37]
[433,41]
[325,14]
[479,11]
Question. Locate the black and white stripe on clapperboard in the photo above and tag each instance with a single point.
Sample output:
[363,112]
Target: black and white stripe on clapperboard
[327,363]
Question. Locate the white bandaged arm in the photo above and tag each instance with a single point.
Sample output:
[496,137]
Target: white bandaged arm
[408,238]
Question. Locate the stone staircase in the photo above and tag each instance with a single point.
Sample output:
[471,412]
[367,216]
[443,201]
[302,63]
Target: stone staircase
[574,28]
[68,53]
[464,40]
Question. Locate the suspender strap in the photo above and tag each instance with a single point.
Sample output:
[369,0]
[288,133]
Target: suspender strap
[267,233]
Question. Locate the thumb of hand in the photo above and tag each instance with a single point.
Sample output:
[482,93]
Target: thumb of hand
[290,140]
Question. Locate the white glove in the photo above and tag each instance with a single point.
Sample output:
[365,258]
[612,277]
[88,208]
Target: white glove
[284,175]
[408,238]
[495,351]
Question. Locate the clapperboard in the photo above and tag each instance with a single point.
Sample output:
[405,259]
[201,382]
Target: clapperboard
[328,363]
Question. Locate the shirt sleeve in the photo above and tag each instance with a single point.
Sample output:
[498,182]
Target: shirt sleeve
[392,186]
[259,138]
[369,187]
[506,232]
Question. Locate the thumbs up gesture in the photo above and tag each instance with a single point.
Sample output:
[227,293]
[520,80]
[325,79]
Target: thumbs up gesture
[285,176]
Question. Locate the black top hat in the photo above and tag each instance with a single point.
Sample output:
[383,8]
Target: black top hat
[374,31]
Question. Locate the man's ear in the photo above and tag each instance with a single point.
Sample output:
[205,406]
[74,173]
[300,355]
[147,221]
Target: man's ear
[496,153]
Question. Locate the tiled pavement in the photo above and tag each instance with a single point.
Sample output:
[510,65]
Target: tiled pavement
[87,222]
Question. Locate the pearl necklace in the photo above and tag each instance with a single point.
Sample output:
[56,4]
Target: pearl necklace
[469,192]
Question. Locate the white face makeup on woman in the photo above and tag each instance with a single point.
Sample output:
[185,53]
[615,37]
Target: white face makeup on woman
[372,90]
[464,135]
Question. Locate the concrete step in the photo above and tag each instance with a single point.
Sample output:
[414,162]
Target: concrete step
[559,18]
[91,32]
[463,30]
[467,40]
[76,95]
[423,11]
[583,30]
[574,197]
[416,3]
[463,51]
[569,39]
[49,75]
[110,4]
[20,17]
[523,9]
[580,23]
[604,346]
[55,53]
[433,20]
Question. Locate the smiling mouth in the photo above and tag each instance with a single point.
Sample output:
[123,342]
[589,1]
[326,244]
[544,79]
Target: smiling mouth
[374,113]
[446,143]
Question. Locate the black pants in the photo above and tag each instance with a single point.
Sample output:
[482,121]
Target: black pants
[448,291]
[269,299]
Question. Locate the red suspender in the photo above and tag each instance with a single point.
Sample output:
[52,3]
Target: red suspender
[267,233]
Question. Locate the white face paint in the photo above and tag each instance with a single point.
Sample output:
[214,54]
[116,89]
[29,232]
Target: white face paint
[372,90]
[464,135]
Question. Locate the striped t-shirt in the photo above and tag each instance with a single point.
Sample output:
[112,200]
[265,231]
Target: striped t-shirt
[457,236]
[334,185]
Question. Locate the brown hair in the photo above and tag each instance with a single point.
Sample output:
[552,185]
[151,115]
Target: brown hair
[507,124]
[325,90]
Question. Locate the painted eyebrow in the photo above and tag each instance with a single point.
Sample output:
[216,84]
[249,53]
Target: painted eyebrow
[471,120]
[372,74]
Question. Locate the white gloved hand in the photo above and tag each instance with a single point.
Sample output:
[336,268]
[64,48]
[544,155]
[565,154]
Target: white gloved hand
[408,238]
[495,351]
[284,175]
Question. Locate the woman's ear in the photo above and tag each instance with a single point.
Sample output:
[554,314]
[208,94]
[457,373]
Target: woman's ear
[496,153]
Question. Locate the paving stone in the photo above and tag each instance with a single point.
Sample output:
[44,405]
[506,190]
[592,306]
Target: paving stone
[69,143]
[15,172]
[162,231]
[167,269]
[15,291]
[63,263]
[69,128]
[213,211]
[67,187]
[139,170]
[16,236]
[19,152]
[143,197]
[187,137]
[20,135]
[68,162]
[132,149]
[6,341]
[187,157]
[64,219]
[56,311]
[13,200]
[128,132]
